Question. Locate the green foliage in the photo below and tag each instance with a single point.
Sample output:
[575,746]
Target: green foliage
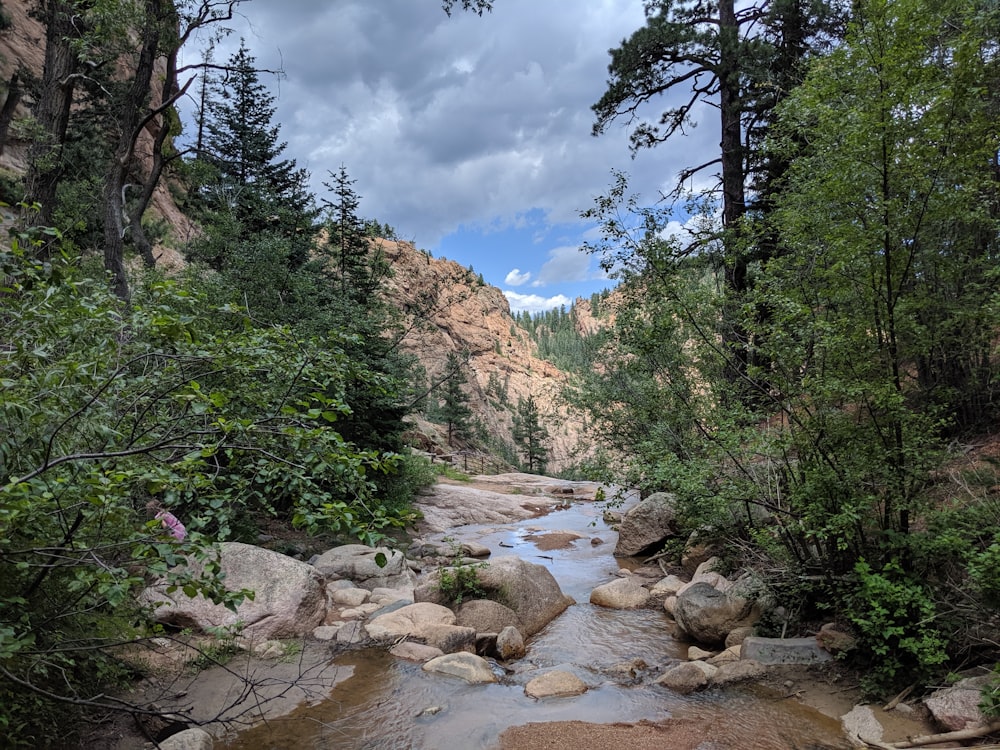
[990,703]
[454,409]
[895,617]
[460,581]
[530,436]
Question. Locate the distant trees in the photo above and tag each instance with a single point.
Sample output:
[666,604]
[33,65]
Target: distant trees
[454,408]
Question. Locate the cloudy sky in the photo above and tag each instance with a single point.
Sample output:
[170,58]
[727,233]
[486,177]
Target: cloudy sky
[470,136]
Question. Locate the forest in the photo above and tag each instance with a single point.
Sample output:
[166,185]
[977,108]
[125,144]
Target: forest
[811,368]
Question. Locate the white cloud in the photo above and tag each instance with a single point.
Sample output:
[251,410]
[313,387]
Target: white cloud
[516,278]
[564,264]
[535,303]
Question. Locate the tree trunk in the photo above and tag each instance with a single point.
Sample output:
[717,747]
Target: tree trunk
[52,112]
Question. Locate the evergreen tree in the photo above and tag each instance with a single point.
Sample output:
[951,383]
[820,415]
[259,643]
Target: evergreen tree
[455,409]
[530,436]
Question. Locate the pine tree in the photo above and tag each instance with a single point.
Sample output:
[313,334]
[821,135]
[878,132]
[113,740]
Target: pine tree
[530,436]
[455,410]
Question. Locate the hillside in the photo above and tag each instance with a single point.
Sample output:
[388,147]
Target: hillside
[463,314]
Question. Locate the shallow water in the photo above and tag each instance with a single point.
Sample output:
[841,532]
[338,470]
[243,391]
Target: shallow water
[391,703]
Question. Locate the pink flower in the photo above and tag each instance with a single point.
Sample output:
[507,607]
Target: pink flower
[172,524]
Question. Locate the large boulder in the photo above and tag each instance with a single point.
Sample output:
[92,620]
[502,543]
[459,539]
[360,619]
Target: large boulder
[360,564]
[528,589]
[622,593]
[687,677]
[465,666]
[289,596]
[708,615]
[647,525]
[409,621]
[957,707]
[488,616]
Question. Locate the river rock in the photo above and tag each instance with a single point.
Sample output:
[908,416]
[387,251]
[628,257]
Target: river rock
[469,667]
[647,525]
[450,638]
[687,677]
[359,563]
[189,739]
[860,722]
[784,650]
[957,707]
[730,672]
[289,596]
[351,633]
[557,684]
[409,621]
[413,651]
[708,615]
[349,597]
[510,644]
[622,593]
[487,616]
[528,589]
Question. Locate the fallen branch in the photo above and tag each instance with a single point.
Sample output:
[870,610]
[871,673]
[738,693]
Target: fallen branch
[961,734]
[899,698]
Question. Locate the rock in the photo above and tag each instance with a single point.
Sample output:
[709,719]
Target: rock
[731,654]
[487,616]
[469,667]
[738,635]
[349,597]
[385,596]
[784,650]
[289,601]
[957,707]
[708,615]
[627,670]
[409,621]
[510,644]
[665,587]
[695,553]
[646,525]
[835,641]
[351,633]
[528,589]
[475,550]
[731,672]
[189,739]
[359,563]
[557,684]
[697,654]
[418,652]
[450,506]
[860,722]
[623,593]
[325,632]
[449,638]
[687,677]
[269,650]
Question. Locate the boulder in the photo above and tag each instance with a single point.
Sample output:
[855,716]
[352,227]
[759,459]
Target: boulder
[708,615]
[687,677]
[351,633]
[861,723]
[289,596]
[836,641]
[487,616]
[557,684]
[409,621]
[730,672]
[510,644]
[469,667]
[189,739]
[360,564]
[957,707]
[622,593]
[418,652]
[647,525]
[449,638]
[526,588]
[783,650]
[349,597]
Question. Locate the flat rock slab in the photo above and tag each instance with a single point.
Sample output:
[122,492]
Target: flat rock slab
[556,684]
[784,650]
[449,506]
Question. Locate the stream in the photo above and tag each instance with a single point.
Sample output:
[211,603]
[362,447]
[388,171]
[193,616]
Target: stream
[391,703]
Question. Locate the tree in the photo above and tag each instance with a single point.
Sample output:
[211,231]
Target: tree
[455,401]
[530,435]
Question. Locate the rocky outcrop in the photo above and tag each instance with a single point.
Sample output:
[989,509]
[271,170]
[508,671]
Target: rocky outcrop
[647,525]
[289,596]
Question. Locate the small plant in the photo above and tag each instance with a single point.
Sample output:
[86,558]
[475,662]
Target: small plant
[990,701]
[460,581]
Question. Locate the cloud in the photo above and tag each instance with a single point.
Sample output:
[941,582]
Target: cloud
[535,303]
[564,264]
[516,278]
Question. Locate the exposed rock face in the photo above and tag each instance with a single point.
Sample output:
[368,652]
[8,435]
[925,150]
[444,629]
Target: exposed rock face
[708,615]
[290,596]
[652,521]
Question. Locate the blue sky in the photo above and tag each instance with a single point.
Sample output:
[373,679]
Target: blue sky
[470,136]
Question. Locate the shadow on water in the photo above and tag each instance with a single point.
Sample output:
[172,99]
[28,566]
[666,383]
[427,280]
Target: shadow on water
[390,703]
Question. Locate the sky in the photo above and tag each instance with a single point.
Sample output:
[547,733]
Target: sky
[471,136]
